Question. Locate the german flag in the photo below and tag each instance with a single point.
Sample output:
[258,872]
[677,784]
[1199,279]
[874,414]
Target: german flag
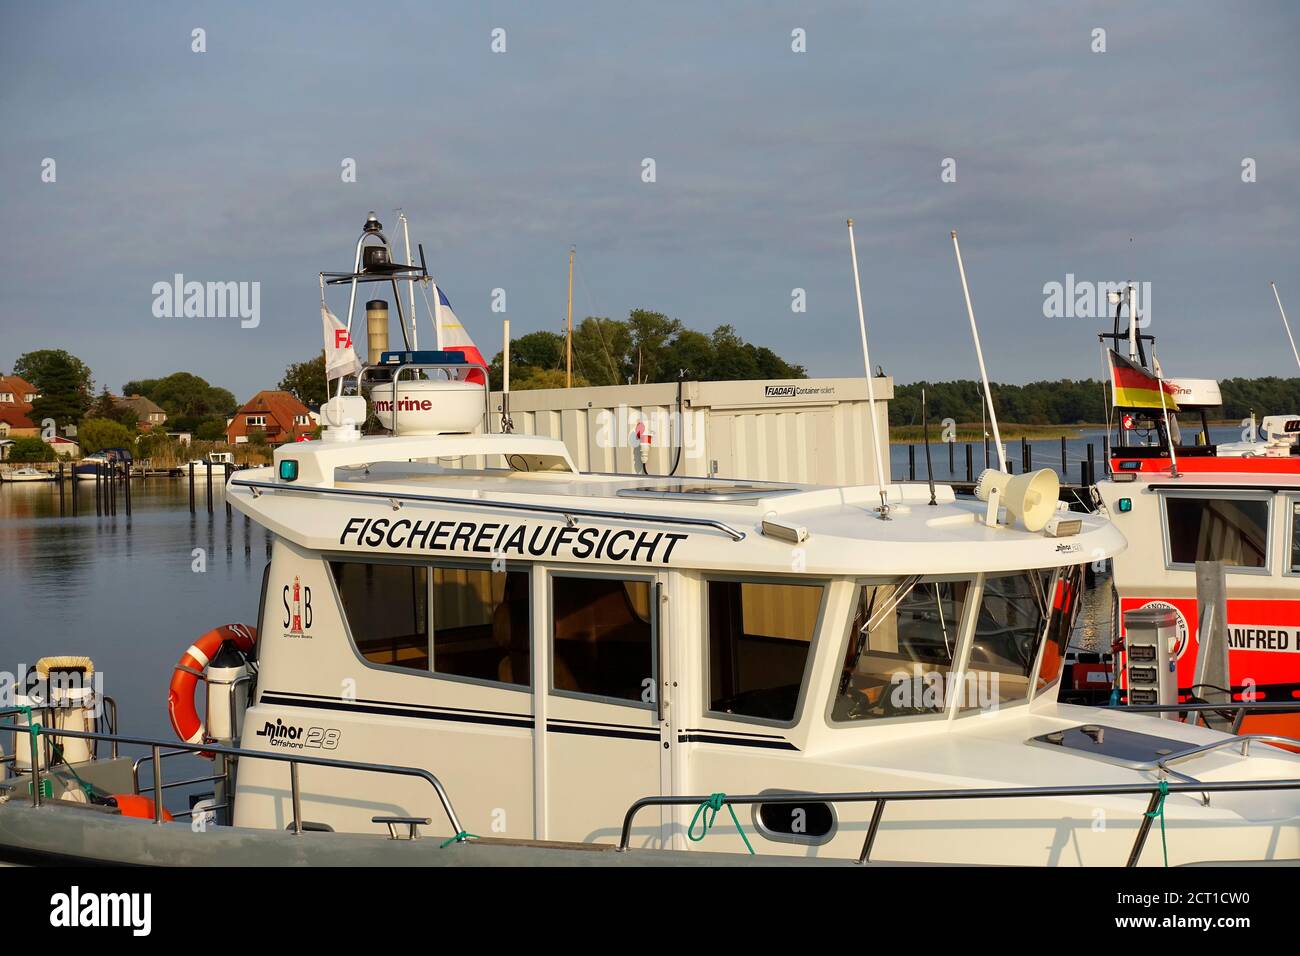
[1132,386]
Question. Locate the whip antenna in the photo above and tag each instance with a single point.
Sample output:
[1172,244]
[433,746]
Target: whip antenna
[979,354]
[871,390]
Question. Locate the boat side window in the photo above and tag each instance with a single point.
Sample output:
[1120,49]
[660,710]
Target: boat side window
[479,626]
[1067,598]
[602,638]
[759,638]
[901,649]
[1008,628]
[1295,537]
[387,607]
[1229,529]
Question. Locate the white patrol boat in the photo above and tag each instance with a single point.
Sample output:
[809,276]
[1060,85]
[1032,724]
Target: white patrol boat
[459,630]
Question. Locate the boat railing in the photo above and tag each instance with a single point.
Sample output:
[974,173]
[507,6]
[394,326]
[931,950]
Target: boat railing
[157,748]
[882,798]
[1241,709]
[567,512]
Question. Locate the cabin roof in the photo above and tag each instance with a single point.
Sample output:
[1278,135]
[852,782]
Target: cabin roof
[358,485]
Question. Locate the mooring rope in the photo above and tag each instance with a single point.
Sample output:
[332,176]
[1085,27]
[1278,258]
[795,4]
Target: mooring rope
[1159,811]
[709,809]
[460,837]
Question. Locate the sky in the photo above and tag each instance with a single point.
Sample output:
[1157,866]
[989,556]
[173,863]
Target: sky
[1171,156]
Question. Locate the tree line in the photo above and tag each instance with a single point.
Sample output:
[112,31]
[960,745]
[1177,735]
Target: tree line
[67,397]
[1073,401]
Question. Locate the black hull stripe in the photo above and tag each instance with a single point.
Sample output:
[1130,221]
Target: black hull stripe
[499,720]
[502,719]
[735,742]
[604,732]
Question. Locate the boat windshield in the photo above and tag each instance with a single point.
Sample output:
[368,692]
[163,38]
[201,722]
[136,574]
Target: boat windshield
[902,647]
[905,656]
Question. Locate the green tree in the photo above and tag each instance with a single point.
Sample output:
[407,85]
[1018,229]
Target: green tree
[29,449]
[646,347]
[96,434]
[306,381]
[650,333]
[106,407]
[184,394]
[64,382]
[211,429]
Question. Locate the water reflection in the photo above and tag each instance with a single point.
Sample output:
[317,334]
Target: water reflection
[121,589]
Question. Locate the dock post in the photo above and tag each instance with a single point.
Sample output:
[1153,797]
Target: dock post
[72,477]
[126,489]
[911,463]
[99,489]
[191,487]
[208,469]
[62,493]
[1026,455]
[951,468]
[986,449]
[1105,451]
[1064,464]
[227,467]
[970,464]
[1092,466]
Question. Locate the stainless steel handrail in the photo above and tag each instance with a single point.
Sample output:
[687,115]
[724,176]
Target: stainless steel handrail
[1241,708]
[1244,740]
[881,797]
[567,513]
[294,760]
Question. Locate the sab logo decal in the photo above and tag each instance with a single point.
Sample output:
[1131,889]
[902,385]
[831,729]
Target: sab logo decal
[297,610]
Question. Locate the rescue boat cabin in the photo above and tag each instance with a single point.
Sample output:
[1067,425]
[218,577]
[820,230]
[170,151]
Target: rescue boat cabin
[1250,523]
[555,645]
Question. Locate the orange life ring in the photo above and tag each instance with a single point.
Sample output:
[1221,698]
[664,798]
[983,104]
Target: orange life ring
[180,696]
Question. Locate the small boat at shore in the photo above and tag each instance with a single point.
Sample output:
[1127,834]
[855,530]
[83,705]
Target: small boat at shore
[26,475]
[100,463]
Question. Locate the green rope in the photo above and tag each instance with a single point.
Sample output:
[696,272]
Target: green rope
[709,810]
[47,785]
[1159,811]
[460,837]
[34,731]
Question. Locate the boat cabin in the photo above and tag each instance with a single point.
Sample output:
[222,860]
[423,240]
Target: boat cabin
[555,645]
[1248,521]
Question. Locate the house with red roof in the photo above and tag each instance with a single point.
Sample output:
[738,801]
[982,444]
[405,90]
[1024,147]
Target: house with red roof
[16,397]
[276,414]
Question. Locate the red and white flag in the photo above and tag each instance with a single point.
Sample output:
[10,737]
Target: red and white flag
[340,358]
[452,337]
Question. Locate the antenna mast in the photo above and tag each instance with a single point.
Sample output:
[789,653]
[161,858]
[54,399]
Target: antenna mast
[979,354]
[871,389]
[410,284]
[1285,324]
[568,336]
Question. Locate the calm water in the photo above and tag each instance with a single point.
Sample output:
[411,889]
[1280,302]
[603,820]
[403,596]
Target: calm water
[122,590]
[1045,453]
